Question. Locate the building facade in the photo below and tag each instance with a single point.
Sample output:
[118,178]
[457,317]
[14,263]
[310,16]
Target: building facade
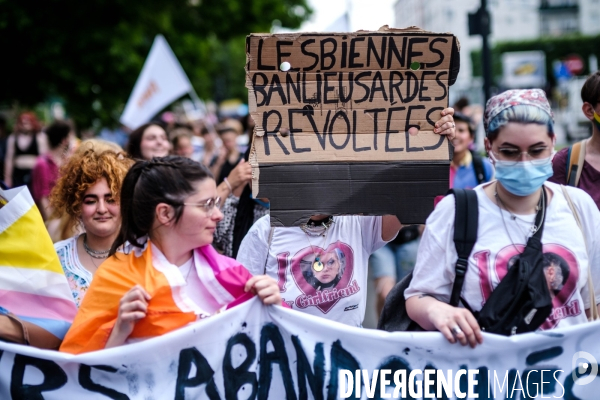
[511,20]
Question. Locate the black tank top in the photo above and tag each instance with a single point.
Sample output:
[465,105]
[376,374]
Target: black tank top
[32,149]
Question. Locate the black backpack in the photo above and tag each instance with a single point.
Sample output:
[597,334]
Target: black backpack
[394,316]
[478,168]
[520,303]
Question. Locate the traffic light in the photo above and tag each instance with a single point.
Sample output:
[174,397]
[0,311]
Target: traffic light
[480,22]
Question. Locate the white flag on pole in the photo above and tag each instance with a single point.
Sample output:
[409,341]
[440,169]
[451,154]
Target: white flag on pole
[161,82]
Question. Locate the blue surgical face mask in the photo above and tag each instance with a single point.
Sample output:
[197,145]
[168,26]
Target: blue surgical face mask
[523,178]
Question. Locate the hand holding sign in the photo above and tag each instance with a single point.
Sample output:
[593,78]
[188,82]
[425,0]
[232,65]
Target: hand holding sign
[240,175]
[445,126]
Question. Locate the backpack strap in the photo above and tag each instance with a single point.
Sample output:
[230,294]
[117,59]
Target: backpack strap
[575,160]
[271,232]
[478,167]
[465,235]
[581,161]
[593,310]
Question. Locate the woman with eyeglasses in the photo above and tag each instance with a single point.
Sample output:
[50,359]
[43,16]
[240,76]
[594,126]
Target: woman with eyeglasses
[162,272]
[334,265]
[520,142]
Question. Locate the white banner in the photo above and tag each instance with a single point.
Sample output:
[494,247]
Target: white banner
[262,352]
[161,82]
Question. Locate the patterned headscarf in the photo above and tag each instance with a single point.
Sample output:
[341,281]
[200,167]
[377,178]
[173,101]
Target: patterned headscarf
[516,97]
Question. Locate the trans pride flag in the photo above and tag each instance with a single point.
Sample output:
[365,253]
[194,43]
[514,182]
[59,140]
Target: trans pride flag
[32,282]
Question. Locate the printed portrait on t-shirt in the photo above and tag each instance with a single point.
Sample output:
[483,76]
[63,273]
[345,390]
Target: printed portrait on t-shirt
[556,271]
[324,276]
[560,269]
[326,272]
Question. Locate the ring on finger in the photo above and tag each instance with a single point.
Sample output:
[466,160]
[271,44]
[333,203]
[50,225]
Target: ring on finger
[453,125]
[456,330]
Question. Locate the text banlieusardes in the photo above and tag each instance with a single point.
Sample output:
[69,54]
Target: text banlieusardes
[343,88]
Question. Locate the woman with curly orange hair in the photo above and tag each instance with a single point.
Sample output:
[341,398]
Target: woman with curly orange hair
[87,191]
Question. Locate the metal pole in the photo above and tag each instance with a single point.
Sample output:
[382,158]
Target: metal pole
[348,12]
[200,105]
[197,102]
[485,52]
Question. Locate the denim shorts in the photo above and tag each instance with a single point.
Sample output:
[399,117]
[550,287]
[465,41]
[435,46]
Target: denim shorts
[394,260]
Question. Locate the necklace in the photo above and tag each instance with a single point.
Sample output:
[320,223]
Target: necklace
[100,254]
[189,270]
[311,228]
[513,217]
[94,263]
[317,264]
[534,228]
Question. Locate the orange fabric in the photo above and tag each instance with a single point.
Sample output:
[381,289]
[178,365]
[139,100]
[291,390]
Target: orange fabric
[98,312]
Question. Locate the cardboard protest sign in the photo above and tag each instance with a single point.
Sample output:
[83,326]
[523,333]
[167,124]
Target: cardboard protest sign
[333,117]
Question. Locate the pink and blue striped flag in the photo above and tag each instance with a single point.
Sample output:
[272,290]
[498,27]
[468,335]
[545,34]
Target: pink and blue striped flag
[32,282]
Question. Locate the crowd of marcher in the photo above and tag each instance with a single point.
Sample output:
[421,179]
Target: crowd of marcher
[166,231]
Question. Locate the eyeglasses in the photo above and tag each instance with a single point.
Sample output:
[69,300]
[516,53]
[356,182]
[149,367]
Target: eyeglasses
[537,156]
[209,205]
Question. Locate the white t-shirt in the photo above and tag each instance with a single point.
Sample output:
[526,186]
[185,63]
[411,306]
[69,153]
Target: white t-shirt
[565,256]
[338,292]
[193,289]
[78,276]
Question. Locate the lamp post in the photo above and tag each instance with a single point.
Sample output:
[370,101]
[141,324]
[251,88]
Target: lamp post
[480,24]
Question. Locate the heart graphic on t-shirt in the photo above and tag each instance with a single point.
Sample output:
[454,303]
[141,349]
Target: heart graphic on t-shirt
[562,277]
[321,288]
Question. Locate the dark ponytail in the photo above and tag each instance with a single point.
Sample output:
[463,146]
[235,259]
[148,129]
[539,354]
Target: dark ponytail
[148,183]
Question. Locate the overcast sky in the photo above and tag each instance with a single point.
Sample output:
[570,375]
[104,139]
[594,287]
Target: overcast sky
[364,14]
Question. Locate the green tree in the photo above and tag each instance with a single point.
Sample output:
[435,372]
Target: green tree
[89,53]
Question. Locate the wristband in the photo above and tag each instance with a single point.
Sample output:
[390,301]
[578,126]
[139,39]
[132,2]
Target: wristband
[228,184]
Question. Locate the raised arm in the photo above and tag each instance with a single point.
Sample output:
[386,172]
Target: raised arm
[390,226]
[236,180]
[444,126]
